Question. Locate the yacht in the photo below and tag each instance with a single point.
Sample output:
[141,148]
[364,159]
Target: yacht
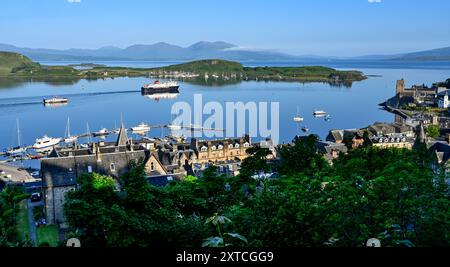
[46,142]
[298,118]
[19,149]
[142,127]
[102,132]
[69,139]
[320,113]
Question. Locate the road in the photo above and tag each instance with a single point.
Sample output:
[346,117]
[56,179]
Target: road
[30,206]
[18,176]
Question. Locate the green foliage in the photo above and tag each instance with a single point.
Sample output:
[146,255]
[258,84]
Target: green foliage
[223,239]
[10,199]
[433,131]
[390,194]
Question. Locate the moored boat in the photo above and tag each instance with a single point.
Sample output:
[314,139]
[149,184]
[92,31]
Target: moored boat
[46,142]
[142,127]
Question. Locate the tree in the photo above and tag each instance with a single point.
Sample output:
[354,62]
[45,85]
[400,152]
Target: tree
[301,157]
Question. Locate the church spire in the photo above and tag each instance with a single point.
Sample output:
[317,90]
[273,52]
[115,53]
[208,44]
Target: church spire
[122,139]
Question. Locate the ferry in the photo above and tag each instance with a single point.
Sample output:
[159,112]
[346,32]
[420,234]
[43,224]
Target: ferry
[55,100]
[142,127]
[158,87]
[46,142]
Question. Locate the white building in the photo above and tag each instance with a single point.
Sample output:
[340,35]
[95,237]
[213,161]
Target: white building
[443,101]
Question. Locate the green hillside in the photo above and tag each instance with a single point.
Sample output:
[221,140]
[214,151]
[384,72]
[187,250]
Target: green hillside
[12,62]
[210,65]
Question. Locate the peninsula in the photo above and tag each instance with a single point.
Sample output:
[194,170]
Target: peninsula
[17,65]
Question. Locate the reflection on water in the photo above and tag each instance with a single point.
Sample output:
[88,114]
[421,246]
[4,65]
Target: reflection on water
[158,97]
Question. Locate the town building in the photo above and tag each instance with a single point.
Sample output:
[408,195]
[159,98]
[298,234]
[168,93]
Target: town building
[165,160]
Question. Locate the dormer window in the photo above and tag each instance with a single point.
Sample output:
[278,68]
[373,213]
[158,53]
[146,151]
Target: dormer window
[237,146]
[220,147]
[204,149]
[246,144]
[230,146]
[214,148]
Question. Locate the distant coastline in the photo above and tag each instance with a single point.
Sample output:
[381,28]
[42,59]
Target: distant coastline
[18,66]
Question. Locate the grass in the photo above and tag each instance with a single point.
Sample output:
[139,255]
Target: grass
[22,222]
[47,235]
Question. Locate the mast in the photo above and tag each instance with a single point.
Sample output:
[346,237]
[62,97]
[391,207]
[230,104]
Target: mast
[88,133]
[18,133]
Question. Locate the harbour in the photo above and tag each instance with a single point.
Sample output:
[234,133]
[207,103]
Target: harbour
[102,103]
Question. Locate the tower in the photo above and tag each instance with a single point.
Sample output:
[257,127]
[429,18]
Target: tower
[400,89]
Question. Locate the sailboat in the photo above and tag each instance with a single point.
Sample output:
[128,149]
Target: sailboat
[19,149]
[68,138]
[298,118]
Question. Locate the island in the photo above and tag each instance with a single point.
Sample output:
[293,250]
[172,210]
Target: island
[200,71]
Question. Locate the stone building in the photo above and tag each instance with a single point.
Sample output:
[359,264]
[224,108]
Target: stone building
[165,160]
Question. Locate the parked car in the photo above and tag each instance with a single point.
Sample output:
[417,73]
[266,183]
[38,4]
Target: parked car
[36,197]
[2,172]
[36,174]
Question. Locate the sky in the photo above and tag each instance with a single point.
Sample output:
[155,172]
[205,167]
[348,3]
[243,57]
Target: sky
[299,27]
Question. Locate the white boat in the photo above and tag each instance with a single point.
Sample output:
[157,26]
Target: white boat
[142,127]
[305,129]
[174,127]
[320,113]
[69,139]
[298,118]
[19,149]
[55,100]
[46,142]
[101,132]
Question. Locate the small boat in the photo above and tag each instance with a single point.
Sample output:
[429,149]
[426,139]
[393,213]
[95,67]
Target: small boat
[319,113]
[55,100]
[305,129]
[298,118]
[69,139]
[46,142]
[328,118]
[102,132]
[142,127]
[174,127]
[19,150]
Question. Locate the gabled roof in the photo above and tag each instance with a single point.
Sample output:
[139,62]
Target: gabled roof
[122,139]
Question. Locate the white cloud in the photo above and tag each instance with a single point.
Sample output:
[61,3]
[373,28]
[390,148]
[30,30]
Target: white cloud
[74,1]
[374,1]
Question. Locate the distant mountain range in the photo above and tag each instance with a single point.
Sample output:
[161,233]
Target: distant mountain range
[158,51]
[201,50]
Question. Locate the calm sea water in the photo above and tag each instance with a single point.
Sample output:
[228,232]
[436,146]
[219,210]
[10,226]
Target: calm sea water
[101,103]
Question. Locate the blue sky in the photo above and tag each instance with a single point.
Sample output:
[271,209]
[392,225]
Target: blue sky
[302,27]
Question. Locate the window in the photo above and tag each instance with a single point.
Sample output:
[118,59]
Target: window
[89,169]
[220,147]
[237,146]
[113,167]
[152,166]
[204,149]
[230,146]
[214,148]
[246,144]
